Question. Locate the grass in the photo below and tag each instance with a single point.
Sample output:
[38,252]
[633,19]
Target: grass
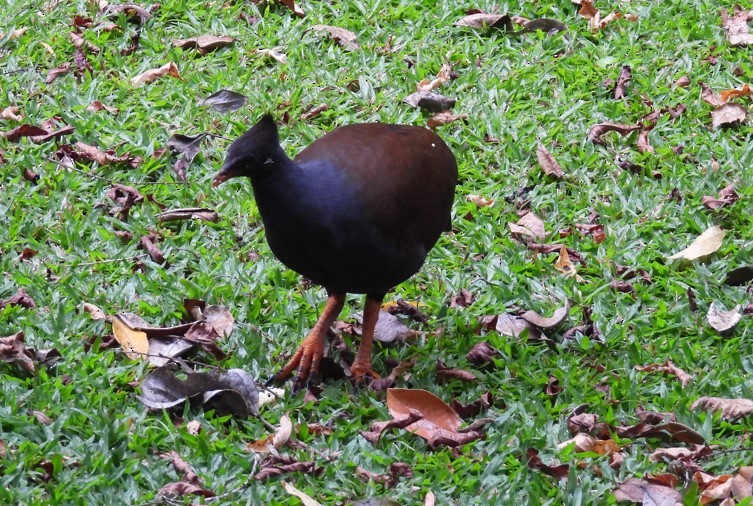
[101,443]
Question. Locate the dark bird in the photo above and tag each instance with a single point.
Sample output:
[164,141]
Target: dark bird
[356,212]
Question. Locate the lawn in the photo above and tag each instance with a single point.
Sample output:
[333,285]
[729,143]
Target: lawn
[618,378]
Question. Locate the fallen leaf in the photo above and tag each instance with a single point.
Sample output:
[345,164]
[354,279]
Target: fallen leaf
[13,350]
[94,312]
[668,368]
[587,443]
[432,102]
[390,328]
[204,43]
[274,441]
[480,200]
[728,95]
[12,113]
[708,95]
[182,488]
[739,276]
[722,320]
[223,101]
[486,20]
[277,465]
[444,118]
[565,266]
[20,298]
[557,318]
[445,373]
[704,245]
[273,54]
[134,343]
[529,225]
[168,69]
[596,132]
[642,492]
[307,500]
[97,106]
[683,82]
[622,82]
[482,353]
[314,112]
[189,213]
[736,27]
[533,460]
[727,196]
[444,76]
[548,163]
[343,37]
[438,417]
[727,114]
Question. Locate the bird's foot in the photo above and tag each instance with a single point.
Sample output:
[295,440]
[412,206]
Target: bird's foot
[363,374]
[306,360]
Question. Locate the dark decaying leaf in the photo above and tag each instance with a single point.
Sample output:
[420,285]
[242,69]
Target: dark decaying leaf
[81,151]
[343,37]
[739,276]
[620,87]
[20,298]
[125,197]
[548,26]
[482,353]
[232,392]
[182,488]
[473,409]
[432,102]
[390,479]
[189,213]
[462,299]
[204,43]
[670,431]
[277,465]
[727,196]
[486,20]
[149,243]
[223,101]
[188,146]
[444,373]
[13,350]
[132,11]
[53,74]
[534,462]
[596,133]
[314,112]
[406,308]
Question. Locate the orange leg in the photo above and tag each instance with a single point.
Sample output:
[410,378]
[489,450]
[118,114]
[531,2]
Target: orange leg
[361,368]
[306,359]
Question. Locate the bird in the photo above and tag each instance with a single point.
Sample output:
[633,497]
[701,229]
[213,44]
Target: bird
[357,211]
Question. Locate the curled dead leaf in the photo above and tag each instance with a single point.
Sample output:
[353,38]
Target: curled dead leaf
[722,320]
[134,342]
[559,316]
[596,133]
[731,409]
[343,37]
[548,163]
[704,245]
[169,69]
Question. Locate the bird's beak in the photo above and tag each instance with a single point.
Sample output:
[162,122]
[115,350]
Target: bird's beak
[225,173]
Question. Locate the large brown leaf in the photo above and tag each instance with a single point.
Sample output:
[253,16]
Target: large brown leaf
[439,419]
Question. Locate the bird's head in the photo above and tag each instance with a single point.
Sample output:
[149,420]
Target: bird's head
[251,151]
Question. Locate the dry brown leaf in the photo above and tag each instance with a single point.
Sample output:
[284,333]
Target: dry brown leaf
[12,113]
[134,342]
[704,245]
[727,196]
[559,316]
[95,312]
[168,69]
[732,409]
[587,443]
[444,118]
[728,95]
[445,74]
[81,43]
[643,492]
[480,200]
[204,43]
[565,266]
[548,164]
[486,20]
[736,26]
[722,320]
[667,368]
[343,37]
[15,34]
[438,417]
[273,442]
[683,82]
[97,106]
[596,133]
[274,54]
[708,95]
[727,114]
[13,349]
